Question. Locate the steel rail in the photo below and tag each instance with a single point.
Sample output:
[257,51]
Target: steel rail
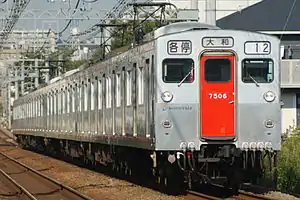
[197,195]
[62,186]
[20,187]
[251,196]
[242,195]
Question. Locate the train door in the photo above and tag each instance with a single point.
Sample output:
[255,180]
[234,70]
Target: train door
[217,96]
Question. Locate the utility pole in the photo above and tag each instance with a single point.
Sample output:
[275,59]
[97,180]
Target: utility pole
[36,70]
[8,99]
[194,4]
[47,78]
[211,12]
[22,77]
[16,84]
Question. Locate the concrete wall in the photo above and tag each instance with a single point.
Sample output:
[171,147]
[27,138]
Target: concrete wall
[288,112]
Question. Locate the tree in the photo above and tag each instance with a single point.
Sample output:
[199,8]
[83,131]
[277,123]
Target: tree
[128,36]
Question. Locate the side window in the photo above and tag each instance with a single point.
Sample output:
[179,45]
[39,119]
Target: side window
[217,70]
[177,70]
[74,94]
[85,96]
[80,91]
[118,90]
[54,103]
[108,92]
[58,103]
[99,94]
[129,88]
[92,95]
[63,109]
[140,85]
[260,70]
[48,104]
[68,93]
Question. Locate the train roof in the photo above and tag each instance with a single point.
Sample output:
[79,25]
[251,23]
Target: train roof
[165,30]
[181,27]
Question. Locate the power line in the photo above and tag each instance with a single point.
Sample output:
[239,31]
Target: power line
[115,12]
[91,1]
[16,11]
[68,24]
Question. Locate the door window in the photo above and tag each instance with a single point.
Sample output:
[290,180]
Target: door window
[217,70]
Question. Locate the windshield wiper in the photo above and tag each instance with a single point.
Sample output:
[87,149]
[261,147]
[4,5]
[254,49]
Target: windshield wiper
[256,83]
[180,83]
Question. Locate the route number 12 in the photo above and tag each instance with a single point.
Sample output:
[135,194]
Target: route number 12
[258,48]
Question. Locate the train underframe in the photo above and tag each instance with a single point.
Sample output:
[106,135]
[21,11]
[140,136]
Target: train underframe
[167,170]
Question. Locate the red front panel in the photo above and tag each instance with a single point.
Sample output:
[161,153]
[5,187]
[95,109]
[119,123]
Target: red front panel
[217,97]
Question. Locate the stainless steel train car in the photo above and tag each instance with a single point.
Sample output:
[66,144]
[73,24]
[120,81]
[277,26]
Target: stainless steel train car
[192,103]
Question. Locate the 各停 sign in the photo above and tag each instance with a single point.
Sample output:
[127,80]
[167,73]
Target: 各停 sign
[179,47]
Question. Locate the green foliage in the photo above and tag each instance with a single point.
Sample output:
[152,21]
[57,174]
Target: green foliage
[63,57]
[96,57]
[288,165]
[128,36]
[69,65]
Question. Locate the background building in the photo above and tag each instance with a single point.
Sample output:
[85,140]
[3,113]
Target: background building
[223,7]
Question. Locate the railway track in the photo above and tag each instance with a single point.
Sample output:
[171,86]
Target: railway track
[251,196]
[242,195]
[22,182]
[192,195]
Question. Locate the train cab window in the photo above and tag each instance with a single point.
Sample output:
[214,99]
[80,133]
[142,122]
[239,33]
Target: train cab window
[257,71]
[217,70]
[178,70]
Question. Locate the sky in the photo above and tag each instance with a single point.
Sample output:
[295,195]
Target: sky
[44,14]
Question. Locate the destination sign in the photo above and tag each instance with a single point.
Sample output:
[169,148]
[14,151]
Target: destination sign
[217,42]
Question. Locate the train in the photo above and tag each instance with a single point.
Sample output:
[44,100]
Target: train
[192,103]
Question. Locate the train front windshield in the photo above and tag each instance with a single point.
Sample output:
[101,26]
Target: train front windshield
[259,71]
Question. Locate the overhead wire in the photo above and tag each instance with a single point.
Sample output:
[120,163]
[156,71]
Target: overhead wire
[115,12]
[284,28]
[92,1]
[70,20]
[288,17]
[18,7]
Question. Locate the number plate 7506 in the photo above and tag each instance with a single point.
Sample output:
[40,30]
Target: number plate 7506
[217,95]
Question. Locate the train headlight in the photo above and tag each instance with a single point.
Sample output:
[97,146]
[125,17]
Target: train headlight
[166,96]
[268,145]
[191,145]
[166,124]
[245,145]
[260,145]
[183,145]
[269,123]
[269,96]
[253,145]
